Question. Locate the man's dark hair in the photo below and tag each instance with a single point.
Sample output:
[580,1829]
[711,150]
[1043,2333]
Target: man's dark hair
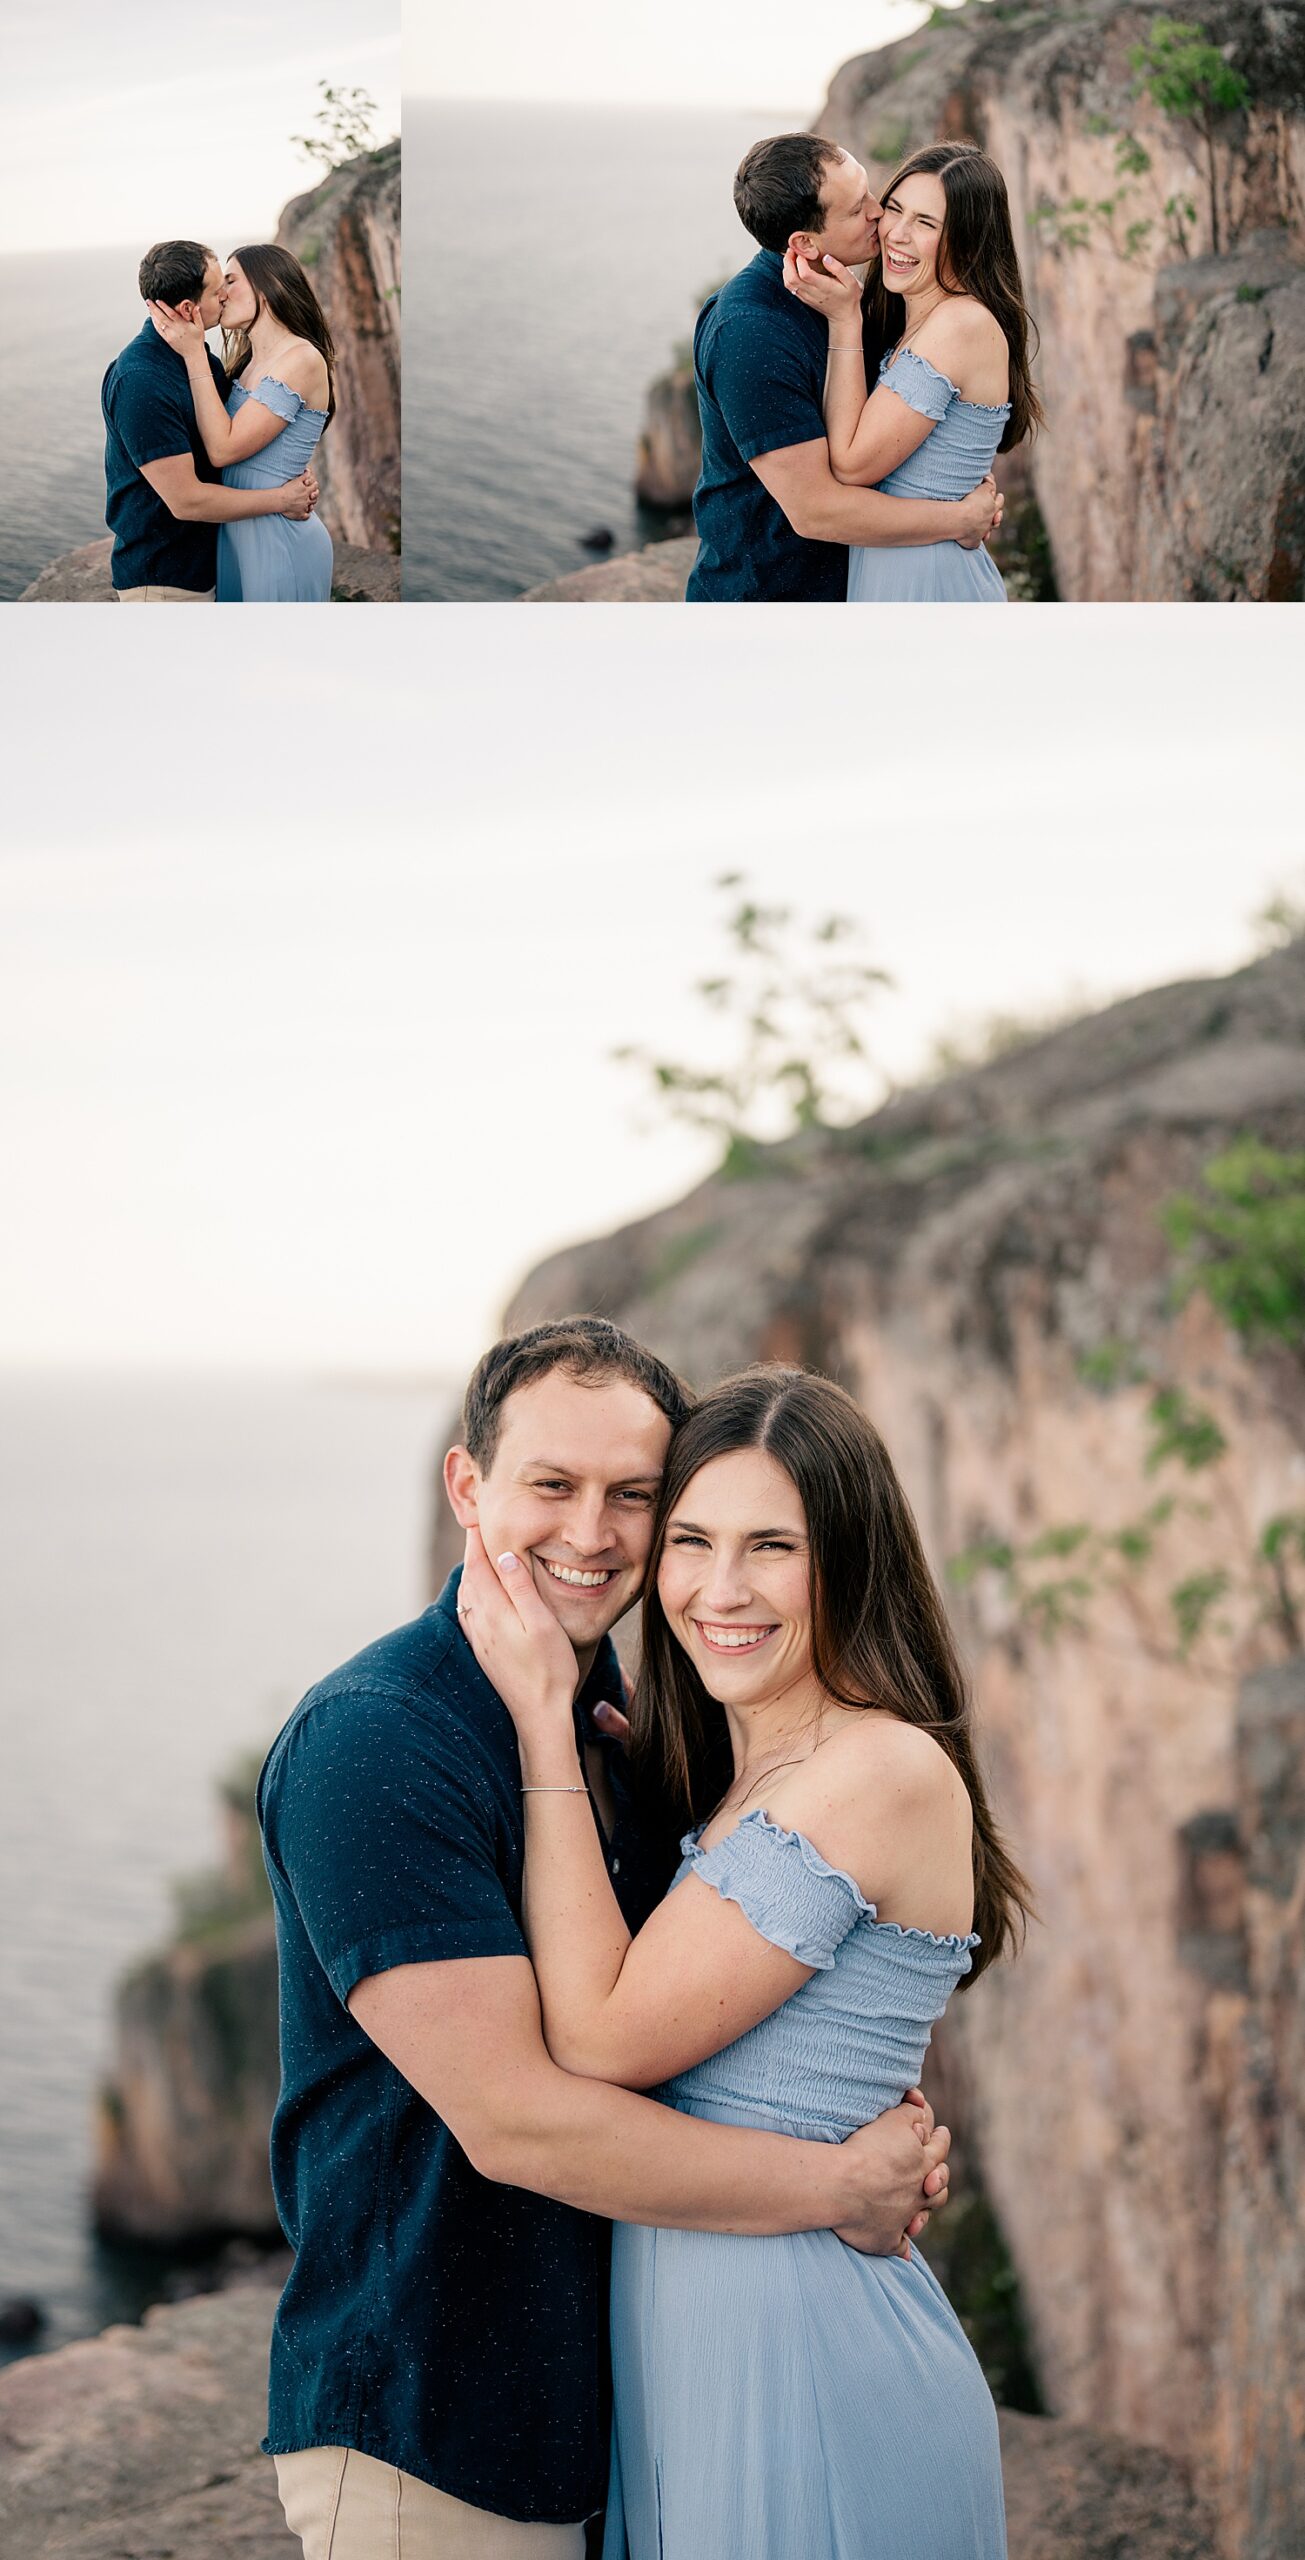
[588,1348]
[779,188]
[173,271]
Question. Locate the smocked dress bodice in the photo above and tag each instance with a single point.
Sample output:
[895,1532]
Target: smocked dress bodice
[289,453]
[853,2039]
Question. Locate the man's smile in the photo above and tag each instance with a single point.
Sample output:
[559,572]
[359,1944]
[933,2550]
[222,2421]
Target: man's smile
[576,1578]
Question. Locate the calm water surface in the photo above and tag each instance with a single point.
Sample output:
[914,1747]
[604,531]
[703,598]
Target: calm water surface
[554,258]
[181,1561]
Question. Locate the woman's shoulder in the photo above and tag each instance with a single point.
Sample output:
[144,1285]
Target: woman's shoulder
[965,341]
[877,1765]
[302,367]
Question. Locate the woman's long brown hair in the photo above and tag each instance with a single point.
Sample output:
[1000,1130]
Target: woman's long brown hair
[976,256]
[280,282]
[879,1633]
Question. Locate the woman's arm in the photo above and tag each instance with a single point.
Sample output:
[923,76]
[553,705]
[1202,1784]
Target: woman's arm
[868,438]
[699,1974]
[225,439]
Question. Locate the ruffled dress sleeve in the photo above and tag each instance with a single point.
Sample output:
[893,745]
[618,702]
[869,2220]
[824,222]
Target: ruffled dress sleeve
[919,384]
[783,1886]
[278,397]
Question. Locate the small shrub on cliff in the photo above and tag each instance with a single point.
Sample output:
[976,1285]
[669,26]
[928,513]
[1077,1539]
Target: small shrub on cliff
[793,1008]
[1240,1237]
[347,118]
[1185,75]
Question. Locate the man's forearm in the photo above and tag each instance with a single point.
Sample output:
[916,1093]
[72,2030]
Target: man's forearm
[875,522]
[216,505]
[608,2151]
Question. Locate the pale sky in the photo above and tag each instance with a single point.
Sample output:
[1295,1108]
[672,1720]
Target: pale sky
[149,121]
[313,959]
[644,52]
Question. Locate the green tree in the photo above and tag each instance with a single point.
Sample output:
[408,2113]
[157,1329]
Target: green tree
[347,119]
[1240,1237]
[1178,68]
[794,1001]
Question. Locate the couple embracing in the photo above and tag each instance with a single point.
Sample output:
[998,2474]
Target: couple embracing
[849,432]
[208,464]
[551,2080]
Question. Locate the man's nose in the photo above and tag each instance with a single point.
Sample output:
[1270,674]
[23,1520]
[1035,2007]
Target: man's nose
[589,1526]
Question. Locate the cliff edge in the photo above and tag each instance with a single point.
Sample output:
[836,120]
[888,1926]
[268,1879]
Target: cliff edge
[142,2443]
[347,234]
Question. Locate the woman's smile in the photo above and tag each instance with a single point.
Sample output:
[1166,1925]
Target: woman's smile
[733,1639]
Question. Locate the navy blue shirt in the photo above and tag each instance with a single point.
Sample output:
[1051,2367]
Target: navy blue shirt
[438,2322]
[760,359]
[149,413]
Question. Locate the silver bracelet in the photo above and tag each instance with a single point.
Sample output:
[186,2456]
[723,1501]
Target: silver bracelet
[555,1791]
[844,347]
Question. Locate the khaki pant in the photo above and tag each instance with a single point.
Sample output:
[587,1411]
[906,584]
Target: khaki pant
[345,2506]
[166,595]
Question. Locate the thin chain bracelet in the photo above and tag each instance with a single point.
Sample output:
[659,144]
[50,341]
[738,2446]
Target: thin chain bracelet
[555,1791]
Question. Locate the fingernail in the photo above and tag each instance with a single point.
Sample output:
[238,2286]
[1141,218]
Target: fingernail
[507,1563]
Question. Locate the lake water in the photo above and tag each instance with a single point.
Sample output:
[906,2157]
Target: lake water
[181,1561]
[554,257]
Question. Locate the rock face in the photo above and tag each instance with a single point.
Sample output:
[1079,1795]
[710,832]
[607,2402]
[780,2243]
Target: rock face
[959,1261]
[656,575]
[82,577]
[347,234]
[670,447]
[181,2153]
[1174,459]
[182,2126]
[141,2444]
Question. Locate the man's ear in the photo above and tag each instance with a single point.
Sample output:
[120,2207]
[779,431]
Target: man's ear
[804,244]
[462,1485]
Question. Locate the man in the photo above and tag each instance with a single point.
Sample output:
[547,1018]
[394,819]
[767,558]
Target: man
[439,2354]
[165,498]
[774,525]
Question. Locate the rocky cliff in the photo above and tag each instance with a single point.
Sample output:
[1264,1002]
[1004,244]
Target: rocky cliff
[983,1264]
[347,234]
[142,2443]
[1174,462]
[82,577]
[182,2124]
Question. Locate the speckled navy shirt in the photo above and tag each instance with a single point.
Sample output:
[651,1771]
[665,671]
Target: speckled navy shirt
[760,359]
[455,2328]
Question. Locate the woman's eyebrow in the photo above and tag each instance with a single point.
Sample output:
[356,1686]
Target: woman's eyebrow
[797,1535]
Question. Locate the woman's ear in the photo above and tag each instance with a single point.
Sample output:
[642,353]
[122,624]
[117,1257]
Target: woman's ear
[462,1485]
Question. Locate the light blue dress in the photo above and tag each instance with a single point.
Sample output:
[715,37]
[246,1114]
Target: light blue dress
[270,559]
[787,2399]
[949,464]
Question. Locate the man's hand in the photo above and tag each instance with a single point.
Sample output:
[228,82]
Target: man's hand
[299,497]
[897,2176]
[979,515]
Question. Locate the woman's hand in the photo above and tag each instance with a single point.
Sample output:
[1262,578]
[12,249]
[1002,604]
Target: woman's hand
[830,289]
[185,336]
[521,1648]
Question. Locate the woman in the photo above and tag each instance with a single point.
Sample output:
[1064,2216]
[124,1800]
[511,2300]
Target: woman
[802,1706]
[954,386]
[280,361]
